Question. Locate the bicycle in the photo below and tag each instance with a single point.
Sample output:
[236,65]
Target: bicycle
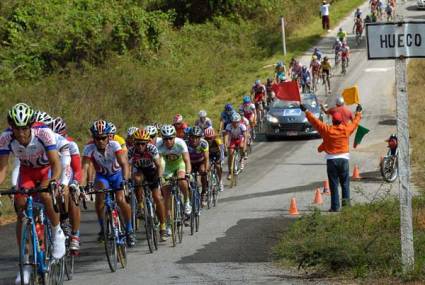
[213,185]
[326,82]
[389,166]
[151,219]
[344,65]
[196,204]
[316,78]
[235,167]
[132,200]
[35,248]
[177,211]
[113,232]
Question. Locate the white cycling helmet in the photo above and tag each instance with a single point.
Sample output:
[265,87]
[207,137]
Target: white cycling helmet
[21,115]
[59,126]
[236,117]
[113,128]
[152,130]
[43,117]
[168,131]
[340,101]
[131,131]
[202,114]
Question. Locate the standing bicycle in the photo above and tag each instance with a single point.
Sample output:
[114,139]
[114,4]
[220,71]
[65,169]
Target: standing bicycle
[112,172]
[147,170]
[36,150]
[389,163]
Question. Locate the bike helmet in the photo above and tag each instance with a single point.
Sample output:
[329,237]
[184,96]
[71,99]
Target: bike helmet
[209,133]
[246,99]
[196,132]
[131,131]
[279,64]
[21,115]
[152,130]
[43,117]
[236,117]
[142,135]
[257,82]
[59,126]
[304,68]
[314,57]
[178,119]
[100,127]
[202,114]
[340,101]
[393,137]
[113,128]
[325,58]
[168,131]
[228,107]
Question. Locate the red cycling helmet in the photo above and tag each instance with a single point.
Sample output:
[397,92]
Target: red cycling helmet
[209,133]
[178,119]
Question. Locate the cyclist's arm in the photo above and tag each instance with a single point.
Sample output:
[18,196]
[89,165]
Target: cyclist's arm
[158,164]
[86,165]
[15,172]
[55,165]
[4,162]
[207,160]
[186,159]
[123,162]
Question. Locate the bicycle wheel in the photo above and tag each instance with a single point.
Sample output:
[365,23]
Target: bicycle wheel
[197,210]
[56,271]
[133,208]
[214,190]
[155,224]
[232,171]
[149,227]
[110,240]
[180,217]
[69,264]
[173,220]
[121,244]
[27,247]
[389,168]
[209,189]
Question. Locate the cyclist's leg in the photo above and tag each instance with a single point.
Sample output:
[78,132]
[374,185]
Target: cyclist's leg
[229,161]
[204,178]
[115,181]
[100,183]
[138,178]
[184,187]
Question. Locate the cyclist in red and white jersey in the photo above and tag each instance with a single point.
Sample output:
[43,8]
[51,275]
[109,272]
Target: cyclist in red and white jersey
[249,110]
[37,152]
[259,92]
[345,52]
[235,136]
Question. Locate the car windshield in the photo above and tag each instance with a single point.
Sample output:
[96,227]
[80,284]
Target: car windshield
[293,104]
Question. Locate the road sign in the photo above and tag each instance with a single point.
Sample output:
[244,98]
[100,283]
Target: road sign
[394,40]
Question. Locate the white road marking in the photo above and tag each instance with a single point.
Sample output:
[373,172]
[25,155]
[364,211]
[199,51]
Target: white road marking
[378,69]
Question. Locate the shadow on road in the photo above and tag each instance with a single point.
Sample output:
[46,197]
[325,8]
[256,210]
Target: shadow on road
[250,240]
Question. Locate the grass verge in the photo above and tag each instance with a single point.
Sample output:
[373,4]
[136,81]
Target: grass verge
[364,240]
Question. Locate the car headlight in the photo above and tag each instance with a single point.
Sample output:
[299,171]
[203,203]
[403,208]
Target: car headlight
[271,119]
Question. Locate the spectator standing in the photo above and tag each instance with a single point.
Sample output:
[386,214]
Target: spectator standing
[336,145]
[324,12]
[347,115]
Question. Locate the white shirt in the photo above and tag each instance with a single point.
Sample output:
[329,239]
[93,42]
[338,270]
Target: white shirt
[336,156]
[104,163]
[324,9]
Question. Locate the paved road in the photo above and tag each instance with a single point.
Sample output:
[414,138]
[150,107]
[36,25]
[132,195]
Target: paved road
[235,239]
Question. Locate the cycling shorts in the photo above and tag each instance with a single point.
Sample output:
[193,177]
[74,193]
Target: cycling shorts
[29,177]
[196,167]
[150,176]
[325,71]
[174,167]
[236,143]
[113,181]
[249,116]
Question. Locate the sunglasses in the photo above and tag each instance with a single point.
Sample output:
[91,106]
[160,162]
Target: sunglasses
[21,128]
[102,138]
[168,139]
[140,143]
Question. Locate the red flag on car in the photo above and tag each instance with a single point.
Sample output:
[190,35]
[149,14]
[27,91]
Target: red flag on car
[288,91]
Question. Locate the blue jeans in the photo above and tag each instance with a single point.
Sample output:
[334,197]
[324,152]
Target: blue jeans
[338,173]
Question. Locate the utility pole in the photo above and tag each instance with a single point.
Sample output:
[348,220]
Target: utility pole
[282,23]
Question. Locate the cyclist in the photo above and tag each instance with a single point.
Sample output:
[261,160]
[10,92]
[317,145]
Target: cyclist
[341,35]
[305,79]
[226,116]
[295,69]
[269,89]
[129,139]
[59,127]
[112,172]
[345,54]
[280,71]
[36,150]
[216,151]
[392,143]
[389,12]
[357,13]
[325,70]
[147,166]
[153,134]
[177,162]
[199,158]
[179,125]
[358,26]
[317,53]
[315,70]
[114,136]
[203,122]
[259,91]
[236,136]
[249,111]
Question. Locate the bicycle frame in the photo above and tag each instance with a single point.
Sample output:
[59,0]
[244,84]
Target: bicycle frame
[111,206]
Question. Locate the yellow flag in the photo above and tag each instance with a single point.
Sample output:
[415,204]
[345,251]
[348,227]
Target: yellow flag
[351,95]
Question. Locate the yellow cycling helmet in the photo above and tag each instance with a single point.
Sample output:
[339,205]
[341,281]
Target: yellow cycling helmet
[141,135]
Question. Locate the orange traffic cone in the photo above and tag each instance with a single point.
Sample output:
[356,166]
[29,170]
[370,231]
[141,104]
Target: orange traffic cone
[293,211]
[326,189]
[318,197]
[356,172]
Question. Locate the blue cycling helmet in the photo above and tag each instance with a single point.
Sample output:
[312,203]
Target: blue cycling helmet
[228,107]
[100,127]
[279,63]
[257,82]
[246,99]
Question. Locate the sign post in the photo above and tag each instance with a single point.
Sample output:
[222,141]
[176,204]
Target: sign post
[400,41]
[282,23]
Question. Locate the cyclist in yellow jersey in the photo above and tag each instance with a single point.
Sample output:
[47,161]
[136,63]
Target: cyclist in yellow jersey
[116,137]
[216,152]
[325,70]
